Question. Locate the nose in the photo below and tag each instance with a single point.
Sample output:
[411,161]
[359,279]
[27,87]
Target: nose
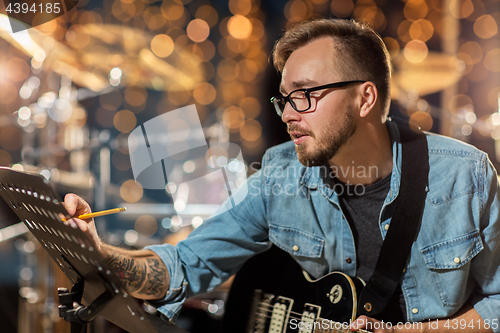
[290,114]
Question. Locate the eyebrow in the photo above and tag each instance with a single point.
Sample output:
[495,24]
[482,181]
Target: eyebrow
[300,84]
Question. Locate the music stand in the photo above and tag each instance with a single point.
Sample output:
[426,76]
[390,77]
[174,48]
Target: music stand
[33,200]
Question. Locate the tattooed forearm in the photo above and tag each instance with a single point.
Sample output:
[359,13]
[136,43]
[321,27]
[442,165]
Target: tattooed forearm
[132,272]
[155,277]
[143,275]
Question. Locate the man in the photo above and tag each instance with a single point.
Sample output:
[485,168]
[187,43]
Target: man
[335,99]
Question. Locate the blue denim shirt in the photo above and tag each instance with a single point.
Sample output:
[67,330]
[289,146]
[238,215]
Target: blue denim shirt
[455,258]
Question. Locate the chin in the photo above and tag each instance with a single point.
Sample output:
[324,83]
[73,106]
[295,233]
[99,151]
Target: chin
[311,161]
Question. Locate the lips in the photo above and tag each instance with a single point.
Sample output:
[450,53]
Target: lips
[298,137]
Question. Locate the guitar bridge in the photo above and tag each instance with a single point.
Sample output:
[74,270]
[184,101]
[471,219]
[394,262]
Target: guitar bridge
[271,314]
[261,304]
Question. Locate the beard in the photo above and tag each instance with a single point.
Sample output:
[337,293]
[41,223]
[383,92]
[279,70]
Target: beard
[330,140]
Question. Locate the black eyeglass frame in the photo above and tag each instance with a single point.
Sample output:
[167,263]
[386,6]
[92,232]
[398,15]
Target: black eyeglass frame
[307,92]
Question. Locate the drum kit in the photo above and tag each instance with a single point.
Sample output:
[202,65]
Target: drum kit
[95,59]
[92,60]
[437,72]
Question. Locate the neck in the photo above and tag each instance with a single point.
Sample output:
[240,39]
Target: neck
[366,157]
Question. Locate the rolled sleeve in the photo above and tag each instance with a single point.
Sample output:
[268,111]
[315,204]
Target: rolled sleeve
[487,308]
[171,305]
[486,270]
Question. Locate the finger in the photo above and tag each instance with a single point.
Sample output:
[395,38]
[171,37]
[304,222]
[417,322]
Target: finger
[77,223]
[359,323]
[70,203]
[74,204]
[69,221]
[87,228]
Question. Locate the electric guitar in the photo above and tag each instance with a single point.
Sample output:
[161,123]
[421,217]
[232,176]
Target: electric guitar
[286,299]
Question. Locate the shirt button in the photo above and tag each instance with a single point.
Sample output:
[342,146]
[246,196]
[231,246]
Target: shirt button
[348,260]
[457,260]
[295,248]
[386,227]
[414,310]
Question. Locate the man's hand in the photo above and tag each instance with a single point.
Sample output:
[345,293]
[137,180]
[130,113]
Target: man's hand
[467,317]
[142,272]
[373,325]
[76,206]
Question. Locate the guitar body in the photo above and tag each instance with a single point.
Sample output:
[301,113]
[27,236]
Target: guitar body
[272,294]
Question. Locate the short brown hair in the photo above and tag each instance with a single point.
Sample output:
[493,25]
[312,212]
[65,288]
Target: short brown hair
[363,54]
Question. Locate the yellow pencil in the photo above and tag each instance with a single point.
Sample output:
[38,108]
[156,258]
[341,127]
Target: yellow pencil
[101,213]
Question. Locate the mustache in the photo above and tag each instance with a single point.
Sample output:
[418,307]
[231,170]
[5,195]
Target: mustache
[296,128]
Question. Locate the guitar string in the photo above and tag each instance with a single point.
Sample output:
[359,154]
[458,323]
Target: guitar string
[262,307]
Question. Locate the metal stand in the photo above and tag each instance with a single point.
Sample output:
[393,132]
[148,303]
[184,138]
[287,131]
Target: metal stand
[94,284]
[71,309]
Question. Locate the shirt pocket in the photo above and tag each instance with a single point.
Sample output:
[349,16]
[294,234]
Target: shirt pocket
[449,262]
[296,242]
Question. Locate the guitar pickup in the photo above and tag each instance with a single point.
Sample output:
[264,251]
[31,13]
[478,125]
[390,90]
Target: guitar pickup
[310,316]
[280,314]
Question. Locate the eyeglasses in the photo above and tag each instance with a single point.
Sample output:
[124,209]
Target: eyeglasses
[300,99]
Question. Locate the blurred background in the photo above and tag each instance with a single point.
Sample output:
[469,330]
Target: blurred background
[72,89]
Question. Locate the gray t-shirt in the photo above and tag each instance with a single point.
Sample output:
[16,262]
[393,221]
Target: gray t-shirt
[361,206]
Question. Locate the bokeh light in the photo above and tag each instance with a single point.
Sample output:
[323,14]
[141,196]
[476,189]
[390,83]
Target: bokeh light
[162,45]
[492,60]
[130,191]
[421,30]
[240,7]
[421,119]
[146,225]
[415,10]
[208,14]
[124,121]
[198,30]
[239,27]
[392,46]
[297,10]
[204,93]
[485,27]
[251,130]
[470,52]
[416,51]
[342,9]
[233,117]
[135,97]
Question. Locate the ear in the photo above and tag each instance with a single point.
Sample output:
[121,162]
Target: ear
[369,97]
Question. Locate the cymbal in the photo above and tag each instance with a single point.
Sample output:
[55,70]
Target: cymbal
[55,55]
[435,73]
[112,46]
[93,50]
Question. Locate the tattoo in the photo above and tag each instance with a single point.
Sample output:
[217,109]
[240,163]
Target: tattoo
[130,271]
[145,277]
[156,278]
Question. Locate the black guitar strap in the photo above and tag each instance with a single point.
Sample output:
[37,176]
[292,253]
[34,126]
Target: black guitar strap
[405,222]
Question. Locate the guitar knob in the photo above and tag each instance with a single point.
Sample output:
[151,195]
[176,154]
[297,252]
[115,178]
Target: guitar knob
[335,294]
[368,307]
